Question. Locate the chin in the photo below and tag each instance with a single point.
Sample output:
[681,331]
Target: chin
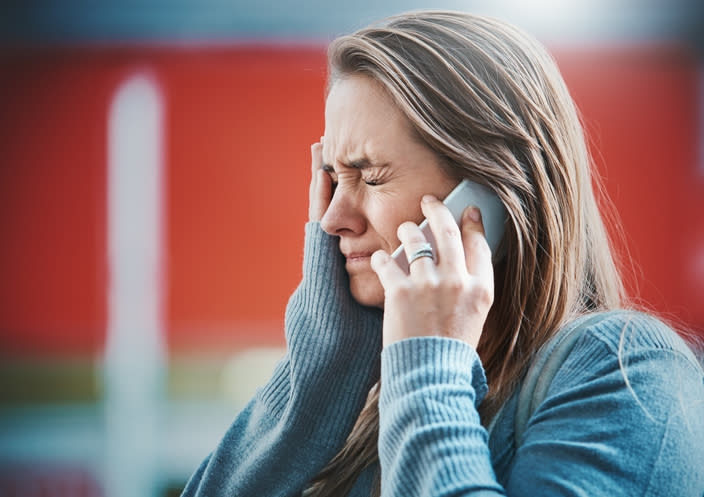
[367,290]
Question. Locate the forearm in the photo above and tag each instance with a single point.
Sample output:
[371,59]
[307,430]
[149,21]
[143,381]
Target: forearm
[431,441]
[302,416]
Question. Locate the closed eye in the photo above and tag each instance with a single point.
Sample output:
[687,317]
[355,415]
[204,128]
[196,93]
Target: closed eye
[361,165]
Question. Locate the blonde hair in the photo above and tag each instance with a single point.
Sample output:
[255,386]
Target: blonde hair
[490,102]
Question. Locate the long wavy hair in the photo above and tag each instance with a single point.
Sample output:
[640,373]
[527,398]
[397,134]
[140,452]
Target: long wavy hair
[490,102]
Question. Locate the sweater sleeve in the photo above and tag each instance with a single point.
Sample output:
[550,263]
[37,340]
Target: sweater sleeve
[431,441]
[624,415]
[300,419]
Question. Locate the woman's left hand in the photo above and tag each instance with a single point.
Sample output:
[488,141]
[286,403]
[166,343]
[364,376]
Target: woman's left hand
[450,298]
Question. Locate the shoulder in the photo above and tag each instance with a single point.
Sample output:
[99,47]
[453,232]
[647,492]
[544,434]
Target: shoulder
[624,333]
[623,415]
[635,361]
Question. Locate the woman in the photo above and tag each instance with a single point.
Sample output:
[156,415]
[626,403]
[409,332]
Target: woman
[414,105]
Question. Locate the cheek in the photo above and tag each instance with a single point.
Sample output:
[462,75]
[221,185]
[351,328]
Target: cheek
[385,216]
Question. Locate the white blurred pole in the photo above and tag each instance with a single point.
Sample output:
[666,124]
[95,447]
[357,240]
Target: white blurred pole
[134,353]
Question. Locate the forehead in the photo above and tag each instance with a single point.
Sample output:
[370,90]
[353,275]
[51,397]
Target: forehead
[360,117]
[356,88]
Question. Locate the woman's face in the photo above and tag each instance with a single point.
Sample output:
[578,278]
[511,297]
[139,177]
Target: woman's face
[381,172]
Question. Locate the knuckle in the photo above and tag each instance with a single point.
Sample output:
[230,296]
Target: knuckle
[452,281]
[450,286]
[455,285]
[477,243]
[416,240]
[450,232]
[401,291]
[429,285]
[482,296]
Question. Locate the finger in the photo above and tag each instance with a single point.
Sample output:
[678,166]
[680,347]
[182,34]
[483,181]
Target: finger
[448,239]
[414,240]
[315,164]
[325,186]
[390,275]
[320,185]
[316,154]
[476,248]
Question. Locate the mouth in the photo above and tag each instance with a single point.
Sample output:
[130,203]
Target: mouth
[355,258]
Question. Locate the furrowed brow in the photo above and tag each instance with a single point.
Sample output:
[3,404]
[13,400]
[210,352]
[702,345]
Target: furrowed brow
[364,163]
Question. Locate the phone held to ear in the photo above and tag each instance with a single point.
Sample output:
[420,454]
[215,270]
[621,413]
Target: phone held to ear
[465,194]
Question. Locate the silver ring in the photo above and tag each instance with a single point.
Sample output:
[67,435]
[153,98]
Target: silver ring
[426,250]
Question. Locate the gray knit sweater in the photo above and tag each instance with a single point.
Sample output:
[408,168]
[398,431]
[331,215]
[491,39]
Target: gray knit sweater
[624,414]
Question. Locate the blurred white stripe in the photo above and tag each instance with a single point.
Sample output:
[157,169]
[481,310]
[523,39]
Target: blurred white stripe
[135,350]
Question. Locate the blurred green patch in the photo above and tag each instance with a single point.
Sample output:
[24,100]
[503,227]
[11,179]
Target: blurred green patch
[231,379]
[45,381]
[30,382]
[195,379]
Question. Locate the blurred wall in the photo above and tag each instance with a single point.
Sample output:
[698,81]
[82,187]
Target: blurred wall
[238,126]
[237,134]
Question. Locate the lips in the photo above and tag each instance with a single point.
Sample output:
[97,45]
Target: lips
[357,256]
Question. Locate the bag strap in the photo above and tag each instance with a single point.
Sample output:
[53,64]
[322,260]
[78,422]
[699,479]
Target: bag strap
[544,367]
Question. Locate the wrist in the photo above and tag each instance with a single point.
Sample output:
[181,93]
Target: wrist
[416,363]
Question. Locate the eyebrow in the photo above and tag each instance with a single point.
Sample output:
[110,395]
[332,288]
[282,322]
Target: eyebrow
[362,163]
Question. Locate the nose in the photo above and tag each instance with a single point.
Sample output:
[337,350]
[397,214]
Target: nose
[345,215]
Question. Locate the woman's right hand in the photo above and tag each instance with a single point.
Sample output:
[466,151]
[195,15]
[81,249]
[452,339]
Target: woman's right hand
[320,193]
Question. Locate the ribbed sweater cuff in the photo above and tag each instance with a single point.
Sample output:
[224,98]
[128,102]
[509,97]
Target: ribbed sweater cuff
[333,346]
[417,363]
[320,250]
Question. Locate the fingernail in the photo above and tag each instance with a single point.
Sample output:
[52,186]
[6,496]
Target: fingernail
[429,198]
[473,214]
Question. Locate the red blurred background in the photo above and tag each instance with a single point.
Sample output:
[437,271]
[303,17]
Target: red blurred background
[238,128]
